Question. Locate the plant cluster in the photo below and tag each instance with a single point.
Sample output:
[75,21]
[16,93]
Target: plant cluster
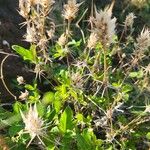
[98,97]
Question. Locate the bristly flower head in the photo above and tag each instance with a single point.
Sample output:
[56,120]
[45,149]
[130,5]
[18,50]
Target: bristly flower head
[47,3]
[24,7]
[20,80]
[139,3]
[33,2]
[143,40]
[62,40]
[30,35]
[70,10]
[24,95]
[92,41]
[104,26]
[129,20]
[33,123]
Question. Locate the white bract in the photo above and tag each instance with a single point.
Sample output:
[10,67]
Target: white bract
[33,124]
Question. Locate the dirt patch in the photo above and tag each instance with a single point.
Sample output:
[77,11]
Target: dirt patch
[11,33]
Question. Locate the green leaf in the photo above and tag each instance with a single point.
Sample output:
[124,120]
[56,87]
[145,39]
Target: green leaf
[138,74]
[26,54]
[66,120]
[60,52]
[57,102]
[17,107]
[133,74]
[80,117]
[50,147]
[33,51]
[82,143]
[29,87]
[50,114]
[67,141]
[55,130]
[13,130]
[74,43]
[148,135]
[4,114]
[48,98]
[127,88]
[40,109]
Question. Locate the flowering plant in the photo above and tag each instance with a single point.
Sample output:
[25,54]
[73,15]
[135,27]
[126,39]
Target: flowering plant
[96,78]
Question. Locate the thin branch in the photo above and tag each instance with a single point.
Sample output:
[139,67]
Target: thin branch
[2,77]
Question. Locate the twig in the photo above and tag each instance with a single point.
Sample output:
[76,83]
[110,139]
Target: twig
[2,77]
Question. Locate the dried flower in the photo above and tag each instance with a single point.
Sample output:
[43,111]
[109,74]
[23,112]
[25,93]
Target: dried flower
[147,70]
[33,123]
[71,9]
[62,40]
[77,80]
[92,41]
[143,40]
[31,34]
[50,33]
[24,7]
[139,3]
[147,109]
[24,95]
[20,80]
[104,26]
[33,2]
[129,20]
[47,3]
[102,122]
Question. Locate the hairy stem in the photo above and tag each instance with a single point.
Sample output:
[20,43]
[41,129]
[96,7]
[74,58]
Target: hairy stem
[105,78]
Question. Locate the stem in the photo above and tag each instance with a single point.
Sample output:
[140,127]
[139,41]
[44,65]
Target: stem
[96,61]
[105,79]
[2,77]
[68,34]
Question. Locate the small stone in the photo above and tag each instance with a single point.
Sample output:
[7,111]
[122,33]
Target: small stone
[5,43]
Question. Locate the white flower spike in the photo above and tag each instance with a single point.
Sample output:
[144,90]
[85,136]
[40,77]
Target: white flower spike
[104,26]
[33,124]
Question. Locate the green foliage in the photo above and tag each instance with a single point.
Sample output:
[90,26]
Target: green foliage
[66,122]
[86,98]
[29,55]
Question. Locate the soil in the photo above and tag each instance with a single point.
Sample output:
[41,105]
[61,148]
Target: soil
[10,32]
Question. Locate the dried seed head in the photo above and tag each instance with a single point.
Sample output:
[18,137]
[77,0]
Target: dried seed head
[33,123]
[62,40]
[30,36]
[50,33]
[20,80]
[92,41]
[139,3]
[77,80]
[129,20]
[147,109]
[24,7]
[47,3]
[143,40]
[70,10]
[123,55]
[104,26]
[42,42]
[33,2]
[147,70]
[24,95]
